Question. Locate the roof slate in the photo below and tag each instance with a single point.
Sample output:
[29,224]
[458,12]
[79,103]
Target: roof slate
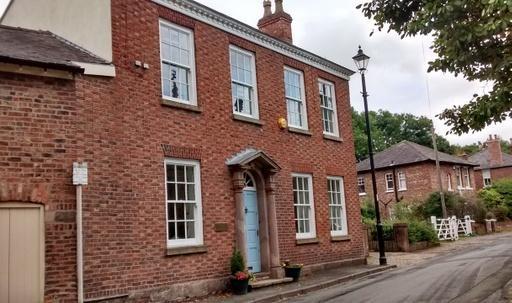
[482,158]
[42,48]
[405,153]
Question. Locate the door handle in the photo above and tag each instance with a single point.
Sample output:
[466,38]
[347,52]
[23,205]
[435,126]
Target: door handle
[246,210]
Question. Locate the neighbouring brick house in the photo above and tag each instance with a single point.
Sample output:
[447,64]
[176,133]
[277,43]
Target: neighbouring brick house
[202,135]
[407,171]
[493,163]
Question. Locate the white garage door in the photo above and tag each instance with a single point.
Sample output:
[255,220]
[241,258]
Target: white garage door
[21,253]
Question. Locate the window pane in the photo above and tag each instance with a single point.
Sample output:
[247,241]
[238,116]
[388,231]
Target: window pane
[191,194]
[170,173]
[189,211]
[171,191]
[181,192]
[190,230]
[180,173]
[181,230]
[190,174]
[180,211]
[172,230]
[170,211]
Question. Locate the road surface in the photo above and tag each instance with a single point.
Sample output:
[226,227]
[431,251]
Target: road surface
[481,273]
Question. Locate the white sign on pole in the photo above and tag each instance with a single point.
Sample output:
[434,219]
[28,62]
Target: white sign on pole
[79,173]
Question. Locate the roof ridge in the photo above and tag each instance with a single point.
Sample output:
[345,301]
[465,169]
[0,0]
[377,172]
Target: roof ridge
[24,29]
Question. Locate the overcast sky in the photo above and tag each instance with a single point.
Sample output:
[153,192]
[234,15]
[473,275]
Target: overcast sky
[396,78]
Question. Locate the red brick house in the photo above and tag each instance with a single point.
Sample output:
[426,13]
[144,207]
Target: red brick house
[493,163]
[201,135]
[407,171]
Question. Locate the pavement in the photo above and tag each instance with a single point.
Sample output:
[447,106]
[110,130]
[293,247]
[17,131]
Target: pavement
[477,269]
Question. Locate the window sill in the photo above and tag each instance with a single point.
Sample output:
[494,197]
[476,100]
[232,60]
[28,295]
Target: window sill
[389,191]
[362,194]
[332,138]
[402,190]
[307,241]
[299,131]
[340,238]
[247,119]
[189,107]
[188,250]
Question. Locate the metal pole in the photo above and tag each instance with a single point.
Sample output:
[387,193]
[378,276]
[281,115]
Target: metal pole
[380,234]
[438,168]
[79,245]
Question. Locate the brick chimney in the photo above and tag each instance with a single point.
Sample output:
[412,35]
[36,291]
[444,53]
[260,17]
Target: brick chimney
[277,24]
[494,147]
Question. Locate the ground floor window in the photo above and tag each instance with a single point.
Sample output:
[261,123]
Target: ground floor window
[361,186]
[402,181]
[183,203]
[337,210]
[304,206]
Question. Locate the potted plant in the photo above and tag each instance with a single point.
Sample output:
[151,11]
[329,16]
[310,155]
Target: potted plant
[292,270]
[239,276]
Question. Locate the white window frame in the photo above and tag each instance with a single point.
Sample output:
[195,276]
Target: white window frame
[467,177]
[389,189]
[336,132]
[303,96]
[458,172]
[192,87]
[449,181]
[254,86]
[486,176]
[198,213]
[361,181]
[312,226]
[343,205]
[402,177]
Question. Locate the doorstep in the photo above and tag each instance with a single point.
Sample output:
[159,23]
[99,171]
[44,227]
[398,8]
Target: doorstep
[309,283]
[269,282]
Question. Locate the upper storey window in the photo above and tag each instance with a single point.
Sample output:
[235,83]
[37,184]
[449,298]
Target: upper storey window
[178,63]
[328,107]
[243,82]
[295,98]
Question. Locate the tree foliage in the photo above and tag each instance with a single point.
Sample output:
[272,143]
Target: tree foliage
[388,129]
[471,37]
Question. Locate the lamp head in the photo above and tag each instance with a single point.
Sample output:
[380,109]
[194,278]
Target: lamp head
[361,60]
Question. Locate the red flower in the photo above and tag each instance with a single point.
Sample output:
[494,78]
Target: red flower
[240,276]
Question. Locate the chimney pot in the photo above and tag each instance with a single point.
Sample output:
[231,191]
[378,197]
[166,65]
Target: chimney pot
[267,5]
[279,6]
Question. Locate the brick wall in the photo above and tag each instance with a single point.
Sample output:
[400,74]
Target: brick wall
[127,124]
[40,137]
[421,180]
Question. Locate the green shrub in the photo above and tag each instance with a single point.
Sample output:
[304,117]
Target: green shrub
[387,229]
[237,262]
[454,205]
[501,212]
[491,197]
[368,210]
[421,231]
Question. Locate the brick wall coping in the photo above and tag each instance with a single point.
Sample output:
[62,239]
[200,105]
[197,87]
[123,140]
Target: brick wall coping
[240,29]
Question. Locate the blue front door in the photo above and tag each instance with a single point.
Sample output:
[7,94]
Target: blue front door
[252,234]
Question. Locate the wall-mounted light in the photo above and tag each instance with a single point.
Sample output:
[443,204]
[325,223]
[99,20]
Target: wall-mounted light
[282,123]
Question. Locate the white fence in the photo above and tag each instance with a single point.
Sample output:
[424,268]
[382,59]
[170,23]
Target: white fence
[449,229]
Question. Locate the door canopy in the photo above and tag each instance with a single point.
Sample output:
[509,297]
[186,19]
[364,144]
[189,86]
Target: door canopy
[252,159]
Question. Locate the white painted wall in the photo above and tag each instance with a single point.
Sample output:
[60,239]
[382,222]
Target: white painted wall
[86,23]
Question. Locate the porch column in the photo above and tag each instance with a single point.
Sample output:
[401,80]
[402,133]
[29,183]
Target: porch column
[275,265]
[238,188]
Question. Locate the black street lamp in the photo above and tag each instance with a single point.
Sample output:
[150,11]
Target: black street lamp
[361,61]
